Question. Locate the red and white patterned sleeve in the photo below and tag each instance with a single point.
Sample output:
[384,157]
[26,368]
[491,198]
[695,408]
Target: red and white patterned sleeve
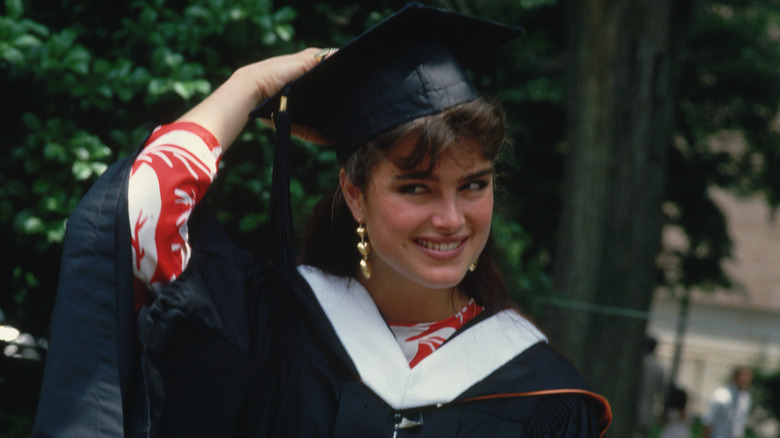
[169,177]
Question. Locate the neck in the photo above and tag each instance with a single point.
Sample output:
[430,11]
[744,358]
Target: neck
[402,301]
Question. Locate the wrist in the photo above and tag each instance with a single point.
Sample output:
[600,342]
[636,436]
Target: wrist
[248,85]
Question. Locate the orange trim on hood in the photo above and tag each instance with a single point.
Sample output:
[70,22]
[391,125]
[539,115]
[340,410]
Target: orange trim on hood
[604,421]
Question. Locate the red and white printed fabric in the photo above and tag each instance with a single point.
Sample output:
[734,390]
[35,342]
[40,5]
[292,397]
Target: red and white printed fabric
[168,178]
[419,340]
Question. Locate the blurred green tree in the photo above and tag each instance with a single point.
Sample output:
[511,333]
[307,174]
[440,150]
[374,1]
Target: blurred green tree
[667,100]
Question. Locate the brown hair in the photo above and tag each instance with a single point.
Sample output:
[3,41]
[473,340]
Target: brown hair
[329,240]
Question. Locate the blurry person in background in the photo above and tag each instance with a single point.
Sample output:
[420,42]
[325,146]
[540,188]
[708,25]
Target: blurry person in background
[677,424]
[651,391]
[728,407]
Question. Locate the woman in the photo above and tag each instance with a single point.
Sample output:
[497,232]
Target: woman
[397,322]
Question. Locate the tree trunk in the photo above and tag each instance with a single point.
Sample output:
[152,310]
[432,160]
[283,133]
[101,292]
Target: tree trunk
[620,125]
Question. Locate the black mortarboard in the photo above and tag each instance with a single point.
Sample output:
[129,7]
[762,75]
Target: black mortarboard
[405,67]
[408,66]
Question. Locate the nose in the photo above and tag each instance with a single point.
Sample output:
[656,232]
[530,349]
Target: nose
[448,215]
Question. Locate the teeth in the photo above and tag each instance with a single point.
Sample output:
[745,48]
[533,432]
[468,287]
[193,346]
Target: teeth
[439,246]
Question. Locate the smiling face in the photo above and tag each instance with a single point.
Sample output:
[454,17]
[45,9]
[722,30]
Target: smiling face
[424,190]
[426,227]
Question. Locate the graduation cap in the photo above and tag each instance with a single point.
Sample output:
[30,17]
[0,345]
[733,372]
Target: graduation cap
[408,66]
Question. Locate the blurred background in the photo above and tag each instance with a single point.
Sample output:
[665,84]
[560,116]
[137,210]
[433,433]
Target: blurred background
[637,198]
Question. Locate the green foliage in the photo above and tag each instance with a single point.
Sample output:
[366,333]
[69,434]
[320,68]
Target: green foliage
[83,85]
[766,388]
[526,279]
[16,425]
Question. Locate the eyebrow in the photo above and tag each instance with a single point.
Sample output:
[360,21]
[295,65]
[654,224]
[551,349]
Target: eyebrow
[428,176]
[480,173]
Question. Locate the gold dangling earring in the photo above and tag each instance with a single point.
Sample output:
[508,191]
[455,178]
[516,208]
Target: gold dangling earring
[473,266]
[364,248]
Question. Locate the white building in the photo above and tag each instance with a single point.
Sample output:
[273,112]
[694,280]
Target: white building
[725,329]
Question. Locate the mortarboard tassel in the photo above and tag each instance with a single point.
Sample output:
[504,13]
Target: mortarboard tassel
[280,223]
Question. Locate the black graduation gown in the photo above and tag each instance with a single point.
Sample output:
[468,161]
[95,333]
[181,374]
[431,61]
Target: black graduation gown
[234,347]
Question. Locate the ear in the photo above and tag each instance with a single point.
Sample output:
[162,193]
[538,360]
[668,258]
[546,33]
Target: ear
[352,195]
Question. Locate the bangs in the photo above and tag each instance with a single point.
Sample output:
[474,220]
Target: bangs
[474,127]
[477,126]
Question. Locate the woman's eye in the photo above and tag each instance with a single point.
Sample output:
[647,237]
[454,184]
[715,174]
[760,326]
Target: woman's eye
[475,185]
[413,189]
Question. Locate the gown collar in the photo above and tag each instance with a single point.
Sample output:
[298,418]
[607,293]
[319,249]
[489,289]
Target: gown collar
[456,366]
